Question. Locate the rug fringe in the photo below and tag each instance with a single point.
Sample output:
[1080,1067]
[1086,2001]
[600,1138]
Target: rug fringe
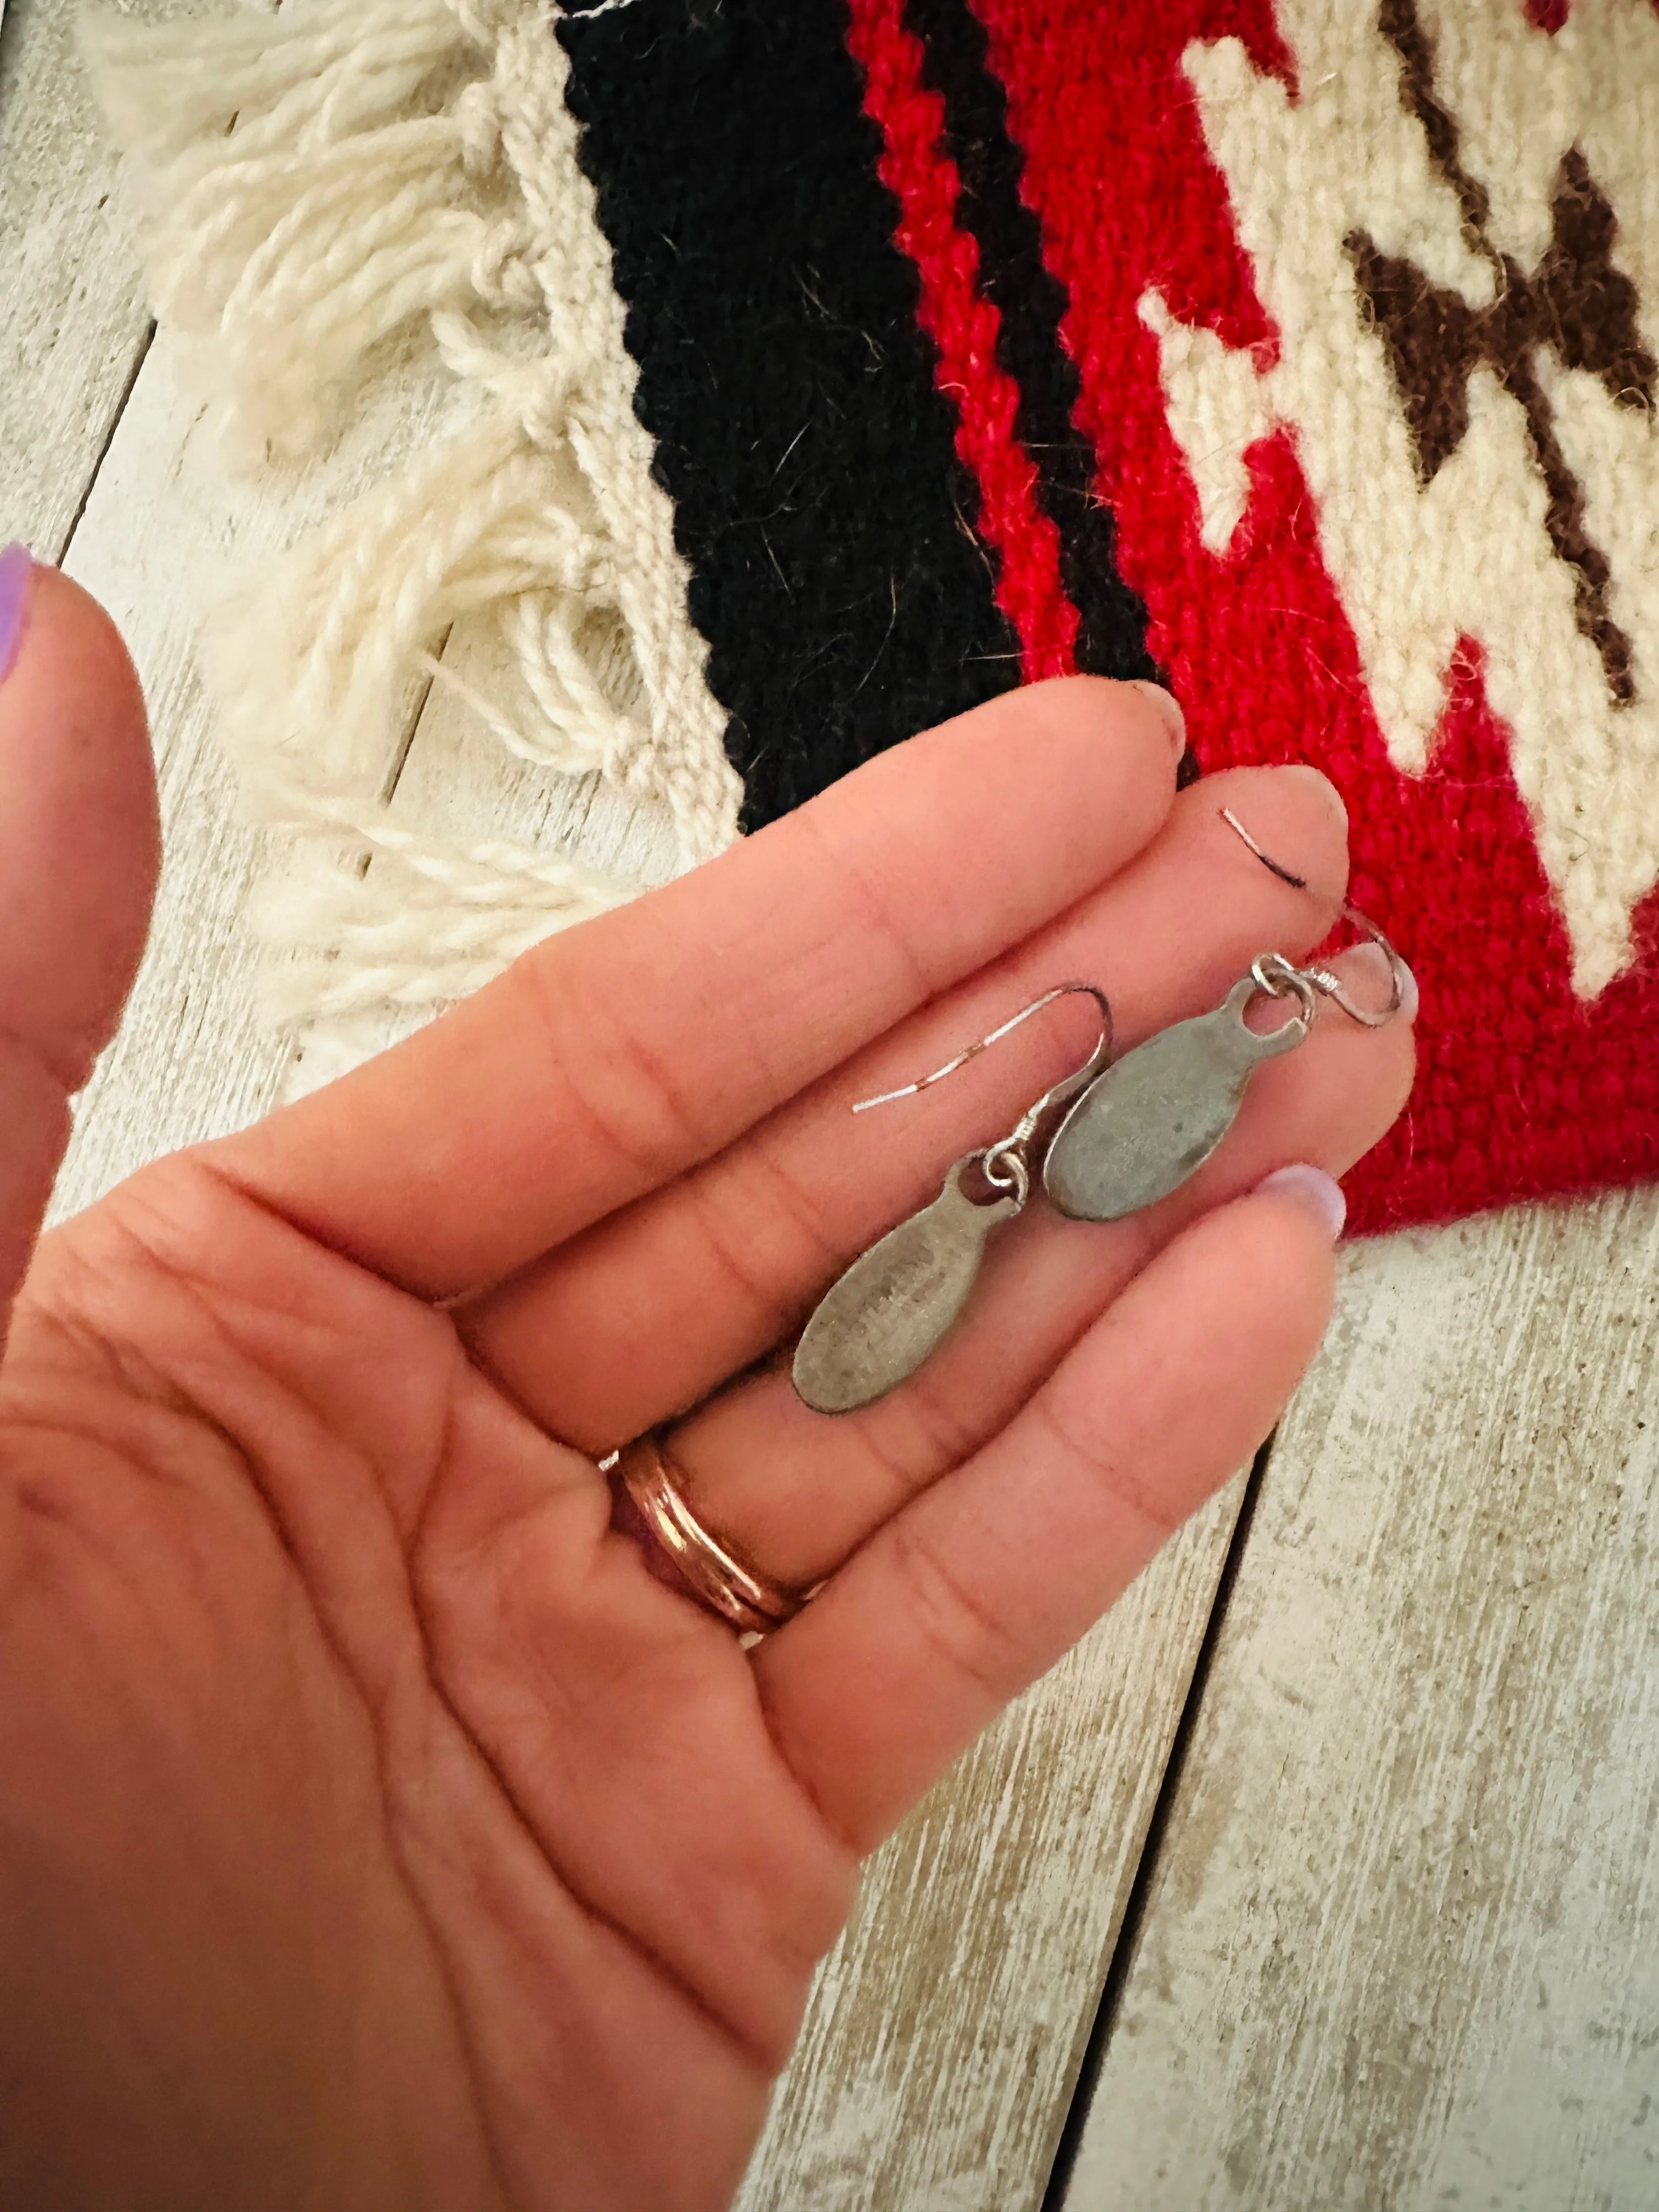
[319,183]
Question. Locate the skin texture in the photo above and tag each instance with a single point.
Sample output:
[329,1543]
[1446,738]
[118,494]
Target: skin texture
[378,1828]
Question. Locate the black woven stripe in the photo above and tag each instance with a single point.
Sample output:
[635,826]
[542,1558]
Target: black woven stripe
[1029,302]
[819,497]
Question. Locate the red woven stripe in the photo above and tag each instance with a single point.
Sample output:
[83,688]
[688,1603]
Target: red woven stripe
[1523,1091]
[963,327]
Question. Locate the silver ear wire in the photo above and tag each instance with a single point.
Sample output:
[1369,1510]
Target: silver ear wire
[1322,980]
[1112,1137]
[883,1316]
[1006,1165]
[1095,1060]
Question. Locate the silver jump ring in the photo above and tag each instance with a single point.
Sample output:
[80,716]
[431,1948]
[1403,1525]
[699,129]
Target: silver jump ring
[1281,979]
[1005,1168]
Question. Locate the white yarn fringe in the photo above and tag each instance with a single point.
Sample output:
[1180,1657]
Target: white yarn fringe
[318,184]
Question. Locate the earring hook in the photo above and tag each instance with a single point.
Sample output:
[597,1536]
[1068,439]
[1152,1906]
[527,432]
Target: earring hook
[1322,979]
[1004,1164]
[1091,1067]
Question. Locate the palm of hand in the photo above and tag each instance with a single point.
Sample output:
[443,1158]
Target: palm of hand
[378,1828]
[316,1585]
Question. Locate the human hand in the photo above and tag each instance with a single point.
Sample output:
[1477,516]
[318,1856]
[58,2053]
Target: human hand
[377,1826]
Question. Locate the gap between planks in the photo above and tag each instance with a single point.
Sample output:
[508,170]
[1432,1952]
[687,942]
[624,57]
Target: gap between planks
[1402,1945]
[946,2030]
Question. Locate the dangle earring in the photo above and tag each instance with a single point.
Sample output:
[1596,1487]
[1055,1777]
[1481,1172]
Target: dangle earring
[1155,1117]
[882,1319]
[1112,1137]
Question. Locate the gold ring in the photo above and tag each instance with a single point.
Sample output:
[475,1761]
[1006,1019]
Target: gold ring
[728,1585]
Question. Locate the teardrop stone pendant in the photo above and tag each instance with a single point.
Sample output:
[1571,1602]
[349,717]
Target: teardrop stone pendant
[880,1321]
[1141,1128]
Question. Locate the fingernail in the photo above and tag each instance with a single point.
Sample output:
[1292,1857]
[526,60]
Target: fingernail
[1312,1189]
[17,573]
[1169,707]
[1305,772]
[1376,959]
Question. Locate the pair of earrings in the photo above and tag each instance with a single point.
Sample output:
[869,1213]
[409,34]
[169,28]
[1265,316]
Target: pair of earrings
[1110,1138]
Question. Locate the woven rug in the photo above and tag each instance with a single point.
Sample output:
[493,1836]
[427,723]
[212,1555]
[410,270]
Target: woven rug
[822,369]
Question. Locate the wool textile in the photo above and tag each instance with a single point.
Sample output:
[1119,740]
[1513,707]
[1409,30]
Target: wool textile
[864,358]
[1304,353]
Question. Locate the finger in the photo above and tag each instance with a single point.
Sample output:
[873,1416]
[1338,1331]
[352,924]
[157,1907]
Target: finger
[711,1271]
[987,1578]
[615,1056]
[795,1492]
[78,857]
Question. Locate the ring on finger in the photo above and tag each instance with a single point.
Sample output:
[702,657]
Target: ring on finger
[730,1586]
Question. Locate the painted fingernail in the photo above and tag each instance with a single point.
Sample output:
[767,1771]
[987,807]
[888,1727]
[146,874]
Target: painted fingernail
[1312,1189]
[1169,706]
[17,574]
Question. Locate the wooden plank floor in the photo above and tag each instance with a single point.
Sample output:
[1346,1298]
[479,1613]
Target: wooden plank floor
[1396,1939]
[1401,1944]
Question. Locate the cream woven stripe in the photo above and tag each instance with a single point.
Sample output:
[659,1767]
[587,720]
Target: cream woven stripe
[1469,554]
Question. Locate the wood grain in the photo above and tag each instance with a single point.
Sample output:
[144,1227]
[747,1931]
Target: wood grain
[75,324]
[1402,1945]
[164,525]
[457,781]
[946,2029]
[73,340]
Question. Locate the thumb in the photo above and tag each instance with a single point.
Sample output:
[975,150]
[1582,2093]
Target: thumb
[78,855]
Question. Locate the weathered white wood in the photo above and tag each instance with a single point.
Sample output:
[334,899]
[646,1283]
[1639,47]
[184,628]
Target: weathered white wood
[1402,1946]
[457,781]
[72,318]
[73,334]
[164,526]
[935,2072]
